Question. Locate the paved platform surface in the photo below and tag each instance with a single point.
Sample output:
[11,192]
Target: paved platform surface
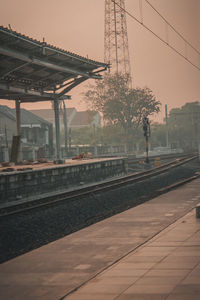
[142,253]
[165,268]
[51,164]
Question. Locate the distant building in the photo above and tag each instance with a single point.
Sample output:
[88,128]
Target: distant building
[48,114]
[86,119]
[75,119]
[36,133]
[7,125]
[35,130]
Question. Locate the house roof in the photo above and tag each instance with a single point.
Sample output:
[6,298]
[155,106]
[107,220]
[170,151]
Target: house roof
[7,111]
[48,114]
[27,117]
[83,118]
[36,71]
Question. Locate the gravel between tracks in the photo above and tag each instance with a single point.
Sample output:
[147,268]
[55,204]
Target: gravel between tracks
[22,233]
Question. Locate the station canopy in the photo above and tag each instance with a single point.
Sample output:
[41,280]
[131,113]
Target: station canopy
[32,71]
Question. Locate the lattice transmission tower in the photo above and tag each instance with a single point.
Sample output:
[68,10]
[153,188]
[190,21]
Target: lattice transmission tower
[116,51]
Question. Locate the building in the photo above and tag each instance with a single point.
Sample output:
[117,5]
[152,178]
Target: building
[49,115]
[75,119]
[84,119]
[36,131]
[7,124]
[36,134]
[7,130]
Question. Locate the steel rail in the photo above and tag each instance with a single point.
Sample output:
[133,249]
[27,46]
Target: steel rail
[161,156]
[96,188]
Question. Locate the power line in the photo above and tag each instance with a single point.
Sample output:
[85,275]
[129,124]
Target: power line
[173,27]
[160,38]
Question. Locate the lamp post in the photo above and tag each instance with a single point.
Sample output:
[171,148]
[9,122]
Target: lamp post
[146,129]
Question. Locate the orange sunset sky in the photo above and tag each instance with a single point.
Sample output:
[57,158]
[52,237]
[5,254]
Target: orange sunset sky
[78,26]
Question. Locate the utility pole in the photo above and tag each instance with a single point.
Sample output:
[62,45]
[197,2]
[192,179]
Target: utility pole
[146,129]
[116,51]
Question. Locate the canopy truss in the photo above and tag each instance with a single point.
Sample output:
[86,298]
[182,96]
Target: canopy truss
[35,71]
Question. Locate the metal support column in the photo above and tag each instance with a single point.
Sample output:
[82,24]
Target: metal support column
[57,128]
[166,124]
[18,123]
[65,128]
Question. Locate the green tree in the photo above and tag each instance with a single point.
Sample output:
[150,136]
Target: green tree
[121,105]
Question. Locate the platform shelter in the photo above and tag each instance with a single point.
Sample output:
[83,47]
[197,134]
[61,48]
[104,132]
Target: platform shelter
[33,71]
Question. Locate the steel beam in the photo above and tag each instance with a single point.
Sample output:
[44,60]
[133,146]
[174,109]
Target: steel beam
[25,91]
[46,64]
[74,84]
[7,72]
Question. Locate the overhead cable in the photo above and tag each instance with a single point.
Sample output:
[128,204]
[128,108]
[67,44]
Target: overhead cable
[160,38]
[173,27]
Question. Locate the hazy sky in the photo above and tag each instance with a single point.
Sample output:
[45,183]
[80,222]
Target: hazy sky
[78,26]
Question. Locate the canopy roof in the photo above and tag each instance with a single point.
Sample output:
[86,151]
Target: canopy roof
[36,71]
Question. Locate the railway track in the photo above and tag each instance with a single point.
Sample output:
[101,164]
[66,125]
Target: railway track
[92,189]
[133,161]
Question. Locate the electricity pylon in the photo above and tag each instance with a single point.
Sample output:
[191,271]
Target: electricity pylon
[116,51]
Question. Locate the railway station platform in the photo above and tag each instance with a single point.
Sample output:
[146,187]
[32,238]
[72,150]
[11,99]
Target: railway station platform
[149,252]
[32,181]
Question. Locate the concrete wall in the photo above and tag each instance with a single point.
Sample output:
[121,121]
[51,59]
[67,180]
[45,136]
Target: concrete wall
[23,184]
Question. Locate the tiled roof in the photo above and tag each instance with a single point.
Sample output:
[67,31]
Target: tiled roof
[44,116]
[48,114]
[83,118]
[5,110]
[44,44]
[26,116]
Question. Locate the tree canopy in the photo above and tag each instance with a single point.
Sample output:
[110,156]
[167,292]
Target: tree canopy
[120,104]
